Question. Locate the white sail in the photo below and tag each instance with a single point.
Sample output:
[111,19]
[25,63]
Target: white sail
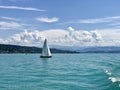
[45,50]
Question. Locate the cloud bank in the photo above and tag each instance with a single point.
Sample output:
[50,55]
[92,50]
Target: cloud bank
[69,37]
[79,38]
[25,38]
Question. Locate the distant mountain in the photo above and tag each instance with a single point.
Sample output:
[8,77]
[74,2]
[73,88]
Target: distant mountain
[103,49]
[91,49]
[4,48]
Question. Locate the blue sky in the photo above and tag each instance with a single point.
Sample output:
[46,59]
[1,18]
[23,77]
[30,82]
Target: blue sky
[88,20]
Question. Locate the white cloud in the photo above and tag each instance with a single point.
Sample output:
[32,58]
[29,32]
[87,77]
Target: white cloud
[2,41]
[70,37]
[80,38]
[9,18]
[26,38]
[19,0]
[55,37]
[22,8]
[71,29]
[95,20]
[48,20]
[9,25]
[100,20]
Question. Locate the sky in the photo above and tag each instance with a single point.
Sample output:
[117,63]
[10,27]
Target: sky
[62,22]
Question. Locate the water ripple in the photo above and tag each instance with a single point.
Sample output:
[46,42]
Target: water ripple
[61,72]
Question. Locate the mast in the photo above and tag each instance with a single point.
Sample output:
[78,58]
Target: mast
[45,50]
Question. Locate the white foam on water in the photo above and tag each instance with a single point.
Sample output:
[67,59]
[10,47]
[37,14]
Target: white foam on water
[111,77]
[108,73]
[114,79]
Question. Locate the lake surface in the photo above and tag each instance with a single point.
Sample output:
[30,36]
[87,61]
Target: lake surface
[61,72]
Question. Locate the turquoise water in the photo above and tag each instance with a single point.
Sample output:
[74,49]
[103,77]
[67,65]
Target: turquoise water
[61,72]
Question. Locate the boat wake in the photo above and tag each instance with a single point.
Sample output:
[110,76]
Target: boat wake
[108,73]
[113,78]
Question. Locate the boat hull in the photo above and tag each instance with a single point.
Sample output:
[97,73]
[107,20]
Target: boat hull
[45,56]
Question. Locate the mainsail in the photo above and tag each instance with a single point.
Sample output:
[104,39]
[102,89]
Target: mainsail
[45,50]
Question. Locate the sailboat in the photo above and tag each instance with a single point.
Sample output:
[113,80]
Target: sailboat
[45,51]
